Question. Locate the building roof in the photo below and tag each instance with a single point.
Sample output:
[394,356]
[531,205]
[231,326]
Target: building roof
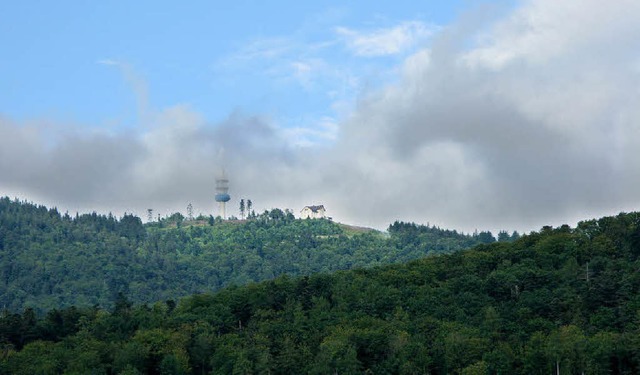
[315,208]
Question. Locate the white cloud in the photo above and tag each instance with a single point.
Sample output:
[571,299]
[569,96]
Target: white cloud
[137,83]
[261,48]
[282,59]
[306,72]
[388,41]
[321,133]
[108,62]
[543,30]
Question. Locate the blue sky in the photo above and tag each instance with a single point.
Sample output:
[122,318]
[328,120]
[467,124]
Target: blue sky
[286,59]
[466,114]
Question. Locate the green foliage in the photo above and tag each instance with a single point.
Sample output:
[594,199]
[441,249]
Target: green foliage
[530,306]
[51,261]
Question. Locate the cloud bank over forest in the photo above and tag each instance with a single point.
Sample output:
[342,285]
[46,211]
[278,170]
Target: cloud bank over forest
[523,121]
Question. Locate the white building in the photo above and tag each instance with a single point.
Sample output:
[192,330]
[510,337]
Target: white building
[313,212]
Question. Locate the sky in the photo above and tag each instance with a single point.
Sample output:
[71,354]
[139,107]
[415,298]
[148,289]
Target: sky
[494,115]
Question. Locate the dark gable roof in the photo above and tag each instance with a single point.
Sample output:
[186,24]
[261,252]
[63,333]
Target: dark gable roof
[315,208]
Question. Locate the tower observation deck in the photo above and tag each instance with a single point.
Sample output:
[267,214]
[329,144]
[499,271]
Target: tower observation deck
[222,193]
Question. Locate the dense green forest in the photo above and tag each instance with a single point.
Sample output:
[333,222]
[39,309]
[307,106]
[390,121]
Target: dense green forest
[52,260]
[563,300]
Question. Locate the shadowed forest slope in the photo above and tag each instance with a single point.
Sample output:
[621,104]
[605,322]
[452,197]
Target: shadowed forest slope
[561,299]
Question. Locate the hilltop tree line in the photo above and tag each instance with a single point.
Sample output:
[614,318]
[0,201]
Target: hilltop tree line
[51,260]
[559,301]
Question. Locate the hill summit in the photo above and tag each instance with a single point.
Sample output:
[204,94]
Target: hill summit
[53,260]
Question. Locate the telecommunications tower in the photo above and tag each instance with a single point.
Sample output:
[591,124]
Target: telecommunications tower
[222,193]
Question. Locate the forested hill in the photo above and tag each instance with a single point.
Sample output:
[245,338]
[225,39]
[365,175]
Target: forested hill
[564,300]
[52,260]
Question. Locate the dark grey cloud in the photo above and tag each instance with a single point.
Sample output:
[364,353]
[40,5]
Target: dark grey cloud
[76,167]
[170,164]
[527,121]
[540,121]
